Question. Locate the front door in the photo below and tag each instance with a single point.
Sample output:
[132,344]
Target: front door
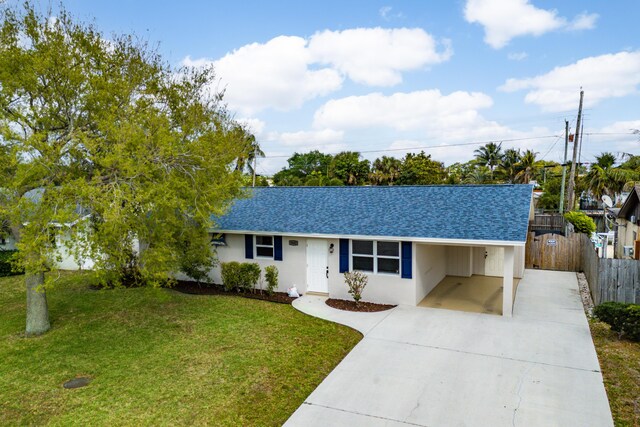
[317,266]
[494,262]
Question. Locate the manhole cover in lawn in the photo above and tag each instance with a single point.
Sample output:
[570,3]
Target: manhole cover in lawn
[77,382]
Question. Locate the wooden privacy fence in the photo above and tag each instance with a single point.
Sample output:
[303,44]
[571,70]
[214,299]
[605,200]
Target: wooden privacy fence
[547,222]
[553,252]
[610,279]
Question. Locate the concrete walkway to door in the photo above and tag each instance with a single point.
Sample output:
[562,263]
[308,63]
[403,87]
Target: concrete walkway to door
[434,367]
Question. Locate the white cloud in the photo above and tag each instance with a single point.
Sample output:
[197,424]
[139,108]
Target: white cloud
[517,56]
[584,21]
[274,74]
[307,138]
[377,56]
[287,71]
[385,13]
[505,19]
[606,76]
[324,140]
[255,126]
[427,109]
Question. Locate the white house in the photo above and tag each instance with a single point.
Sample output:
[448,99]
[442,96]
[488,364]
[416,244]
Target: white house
[405,238]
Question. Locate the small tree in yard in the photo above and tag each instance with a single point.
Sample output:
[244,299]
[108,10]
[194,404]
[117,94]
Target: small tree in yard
[271,276]
[356,281]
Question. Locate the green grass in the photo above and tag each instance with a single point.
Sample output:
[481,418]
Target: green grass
[158,357]
[620,364]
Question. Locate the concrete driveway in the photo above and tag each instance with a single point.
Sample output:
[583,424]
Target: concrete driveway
[434,367]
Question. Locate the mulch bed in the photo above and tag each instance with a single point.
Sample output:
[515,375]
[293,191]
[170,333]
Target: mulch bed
[367,307]
[194,288]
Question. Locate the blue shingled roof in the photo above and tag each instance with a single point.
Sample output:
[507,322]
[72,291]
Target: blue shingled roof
[469,212]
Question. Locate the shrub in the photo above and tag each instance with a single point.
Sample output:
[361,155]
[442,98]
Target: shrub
[631,323]
[623,318]
[230,275]
[249,275]
[356,281]
[581,222]
[271,276]
[6,267]
[612,313]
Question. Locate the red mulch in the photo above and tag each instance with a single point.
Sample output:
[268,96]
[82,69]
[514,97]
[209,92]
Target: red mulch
[194,288]
[368,307]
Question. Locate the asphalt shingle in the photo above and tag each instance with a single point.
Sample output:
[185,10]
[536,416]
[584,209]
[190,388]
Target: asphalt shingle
[469,212]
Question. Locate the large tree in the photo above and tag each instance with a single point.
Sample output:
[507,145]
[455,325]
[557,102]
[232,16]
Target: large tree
[348,168]
[420,169]
[302,166]
[107,126]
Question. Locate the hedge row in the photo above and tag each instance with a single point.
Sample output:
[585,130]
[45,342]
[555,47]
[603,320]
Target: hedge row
[623,318]
[5,264]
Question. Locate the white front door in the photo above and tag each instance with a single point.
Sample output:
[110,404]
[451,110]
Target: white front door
[317,266]
[493,264]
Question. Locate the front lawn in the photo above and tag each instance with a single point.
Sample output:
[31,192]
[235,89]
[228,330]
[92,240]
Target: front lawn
[160,357]
[620,364]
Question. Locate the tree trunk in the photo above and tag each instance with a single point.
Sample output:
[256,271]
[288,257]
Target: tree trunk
[37,310]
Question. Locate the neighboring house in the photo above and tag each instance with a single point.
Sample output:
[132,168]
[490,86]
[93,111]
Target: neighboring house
[406,238]
[627,243]
[7,243]
[65,259]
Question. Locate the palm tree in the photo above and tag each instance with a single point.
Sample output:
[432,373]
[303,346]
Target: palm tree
[489,155]
[603,178]
[527,167]
[508,168]
[385,171]
[479,175]
[250,149]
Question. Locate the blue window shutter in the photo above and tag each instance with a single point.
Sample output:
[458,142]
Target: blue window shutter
[406,260]
[248,246]
[277,248]
[344,255]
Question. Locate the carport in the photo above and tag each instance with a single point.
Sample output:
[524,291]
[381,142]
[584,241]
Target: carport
[476,277]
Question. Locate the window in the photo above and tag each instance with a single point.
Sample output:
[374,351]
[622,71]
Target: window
[375,257]
[264,246]
[219,240]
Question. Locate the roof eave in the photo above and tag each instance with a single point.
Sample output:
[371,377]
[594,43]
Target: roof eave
[432,240]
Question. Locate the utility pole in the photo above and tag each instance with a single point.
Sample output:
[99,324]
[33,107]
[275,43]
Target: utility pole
[572,175]
[580,146]
[254,168]
[564,165]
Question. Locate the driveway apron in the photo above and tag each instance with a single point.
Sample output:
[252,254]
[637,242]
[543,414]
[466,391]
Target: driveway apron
[434,367]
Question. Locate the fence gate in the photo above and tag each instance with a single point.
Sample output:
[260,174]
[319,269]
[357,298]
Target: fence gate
[553,252]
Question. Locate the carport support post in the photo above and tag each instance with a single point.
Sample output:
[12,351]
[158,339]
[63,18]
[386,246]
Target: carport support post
[507,282]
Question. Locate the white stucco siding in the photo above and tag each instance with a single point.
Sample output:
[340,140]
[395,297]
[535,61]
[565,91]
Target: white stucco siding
[459,261]
[430,268]
[381,288]
[292,269]
[66,260]
[479,261]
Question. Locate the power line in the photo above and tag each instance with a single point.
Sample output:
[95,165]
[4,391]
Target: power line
[424,147]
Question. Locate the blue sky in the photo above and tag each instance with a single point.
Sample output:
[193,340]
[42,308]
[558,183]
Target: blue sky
[379,75]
